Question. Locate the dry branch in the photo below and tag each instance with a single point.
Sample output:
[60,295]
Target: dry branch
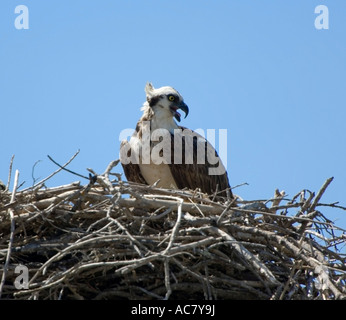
[115,240]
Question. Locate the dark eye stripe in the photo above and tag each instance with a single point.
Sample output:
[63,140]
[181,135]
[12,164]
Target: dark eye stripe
[154,100]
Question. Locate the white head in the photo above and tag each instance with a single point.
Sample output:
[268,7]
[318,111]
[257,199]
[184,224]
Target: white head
[165,102]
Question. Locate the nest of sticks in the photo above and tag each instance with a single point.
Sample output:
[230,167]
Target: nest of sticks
[111,239]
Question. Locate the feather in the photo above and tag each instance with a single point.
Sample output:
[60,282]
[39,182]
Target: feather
[196,175]
[131,170]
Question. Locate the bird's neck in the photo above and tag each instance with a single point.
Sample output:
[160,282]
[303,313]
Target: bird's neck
[163,120]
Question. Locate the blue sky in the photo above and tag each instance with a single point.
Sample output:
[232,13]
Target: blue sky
[260,69]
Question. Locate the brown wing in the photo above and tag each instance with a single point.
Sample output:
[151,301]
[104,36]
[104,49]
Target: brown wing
[196,175]
[132,170]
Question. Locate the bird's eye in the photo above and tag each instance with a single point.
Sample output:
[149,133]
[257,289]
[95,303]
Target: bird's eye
[171,97]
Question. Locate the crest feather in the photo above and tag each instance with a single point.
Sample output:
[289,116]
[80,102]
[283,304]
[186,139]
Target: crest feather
[149,88]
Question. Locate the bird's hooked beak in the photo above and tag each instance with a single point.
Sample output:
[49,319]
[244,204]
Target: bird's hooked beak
[182,106]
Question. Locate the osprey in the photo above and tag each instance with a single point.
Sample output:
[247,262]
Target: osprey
[162,153]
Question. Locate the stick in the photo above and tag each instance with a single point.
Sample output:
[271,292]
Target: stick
[248,256]
[11,212]
[167,282]
[54,173]
[9,173]
[176,227]
[68,170]
[320,193]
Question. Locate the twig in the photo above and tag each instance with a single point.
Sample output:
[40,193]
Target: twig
[167,281]
[176,227]
[40,183]
[33,171]
[11,213]
[249,257]
[331,205]
[65,169]
[320,194]
[218,222]
[9,174]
